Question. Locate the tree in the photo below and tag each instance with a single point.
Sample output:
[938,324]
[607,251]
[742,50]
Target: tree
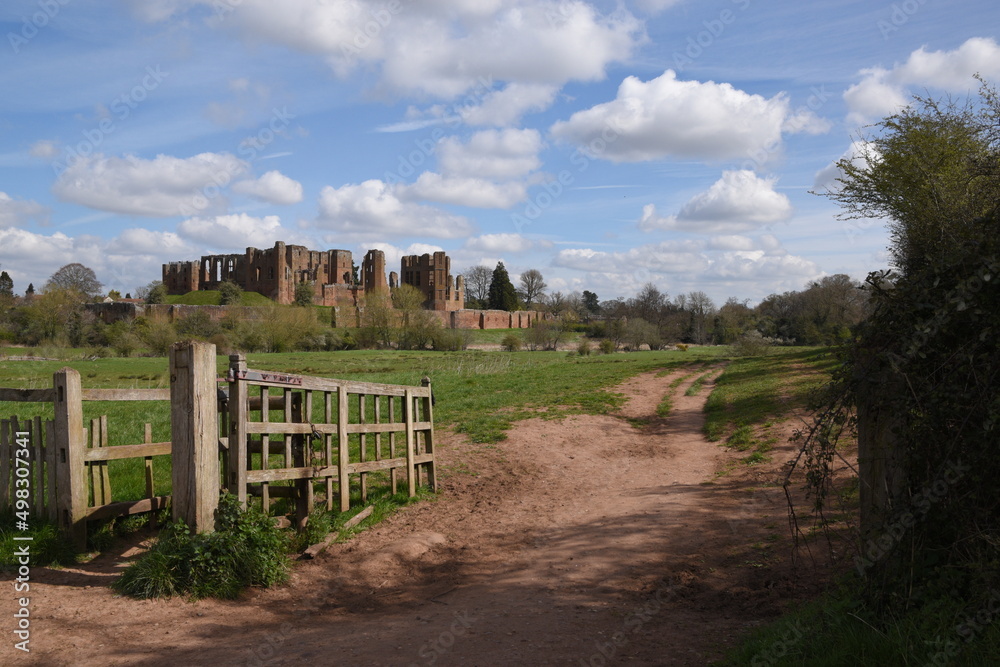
[931,170]
[532,286]
[29,293]
[591,303]
[477,286]
[701,310]
[75,277]
[114,295]
[230,294]
[502,295]
[155,292]
[6,284]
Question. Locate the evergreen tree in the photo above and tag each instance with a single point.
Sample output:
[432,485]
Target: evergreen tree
[503,296]
[6,284]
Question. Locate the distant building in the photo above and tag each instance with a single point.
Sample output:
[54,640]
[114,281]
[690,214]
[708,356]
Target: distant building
[276,272]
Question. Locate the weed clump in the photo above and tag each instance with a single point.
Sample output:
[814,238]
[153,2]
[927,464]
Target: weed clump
[246,550]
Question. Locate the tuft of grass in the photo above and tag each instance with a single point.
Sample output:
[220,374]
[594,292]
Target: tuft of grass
[698,384]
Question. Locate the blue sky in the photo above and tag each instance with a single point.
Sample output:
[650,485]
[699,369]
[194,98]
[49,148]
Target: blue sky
[605,144]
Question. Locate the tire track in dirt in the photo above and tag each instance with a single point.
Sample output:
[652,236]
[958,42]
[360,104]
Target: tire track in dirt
[583,540]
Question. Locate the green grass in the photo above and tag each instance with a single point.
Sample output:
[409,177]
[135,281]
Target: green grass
[477,393]
[839,630]
[698,384]
[213,298]
[752,389]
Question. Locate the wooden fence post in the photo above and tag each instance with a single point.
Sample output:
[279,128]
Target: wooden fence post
[236,475]
[411,445]
[428,415]
[71,442]
[194,423]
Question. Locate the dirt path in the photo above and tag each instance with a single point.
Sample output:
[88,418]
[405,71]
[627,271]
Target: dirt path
[582,541]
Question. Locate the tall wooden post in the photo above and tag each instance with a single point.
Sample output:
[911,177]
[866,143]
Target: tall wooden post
[194,423]
[428,415]
[71,442]
[236,474]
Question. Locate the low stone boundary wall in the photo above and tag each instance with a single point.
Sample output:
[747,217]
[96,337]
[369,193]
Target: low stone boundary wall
[346,315]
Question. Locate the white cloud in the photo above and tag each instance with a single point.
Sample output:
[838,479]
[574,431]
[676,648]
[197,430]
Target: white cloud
[656,6]
[137,241]
[505,107]
[15,212]
[373,209]
[443,48]
[44,149]
[859,153]
[474,192]
[739,201]
[494,154]
[273,187]
[237,231]
[394,254]
[665,117]
[731,242]
[728,260]
[162,187]
[498,244]
[882,92]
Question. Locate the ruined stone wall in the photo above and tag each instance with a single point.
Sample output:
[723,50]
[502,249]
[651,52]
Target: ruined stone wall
[431,274]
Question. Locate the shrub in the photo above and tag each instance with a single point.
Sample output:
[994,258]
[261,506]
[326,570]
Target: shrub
[246,550]
[583,349]
[230,294]
[511,342]
[683,347]
[752,344]
[607,346]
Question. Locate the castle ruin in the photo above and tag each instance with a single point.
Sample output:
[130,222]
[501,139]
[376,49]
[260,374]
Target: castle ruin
[276,272]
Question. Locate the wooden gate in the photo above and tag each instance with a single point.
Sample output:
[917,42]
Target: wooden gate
[303,430]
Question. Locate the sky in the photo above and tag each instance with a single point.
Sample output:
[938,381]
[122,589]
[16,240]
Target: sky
[605,144]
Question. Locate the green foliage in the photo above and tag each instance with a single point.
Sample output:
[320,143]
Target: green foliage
[304,294]
[245,550]
[751,344]
[511,342]
[607,346]
[230,294]
[932,170]
[502,295]
[545,334]
[6,284]
[156,293]
[583,348]
[48,547]
[921,379]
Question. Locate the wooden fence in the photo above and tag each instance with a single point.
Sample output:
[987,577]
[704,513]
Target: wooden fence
[329,432]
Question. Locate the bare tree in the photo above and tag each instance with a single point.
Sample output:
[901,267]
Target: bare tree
[702,309]
[477,285]
[74,277]
[532,286]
